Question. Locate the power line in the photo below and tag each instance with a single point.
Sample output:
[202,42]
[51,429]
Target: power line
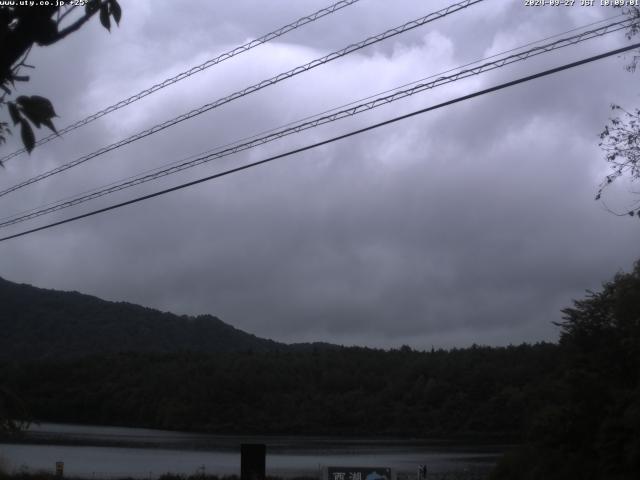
[417,81]
[258,86]
[133,181]
[192,71]
[330,140]
[377,102]
[354,102]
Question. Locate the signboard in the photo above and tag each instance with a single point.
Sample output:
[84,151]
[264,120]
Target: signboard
[359,473]
[252,461]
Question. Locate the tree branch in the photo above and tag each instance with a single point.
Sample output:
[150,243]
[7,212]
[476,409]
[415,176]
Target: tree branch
[75,25]
[69,10]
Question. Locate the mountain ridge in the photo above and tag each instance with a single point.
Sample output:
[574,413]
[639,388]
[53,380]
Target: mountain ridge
[39,323]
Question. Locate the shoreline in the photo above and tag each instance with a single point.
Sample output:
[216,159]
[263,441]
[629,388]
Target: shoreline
[451,475]
[74,434]
[231,444]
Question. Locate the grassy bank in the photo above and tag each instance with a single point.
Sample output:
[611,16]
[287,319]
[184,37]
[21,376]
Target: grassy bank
[464,475]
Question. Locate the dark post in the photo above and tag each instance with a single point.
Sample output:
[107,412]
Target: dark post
[252,461]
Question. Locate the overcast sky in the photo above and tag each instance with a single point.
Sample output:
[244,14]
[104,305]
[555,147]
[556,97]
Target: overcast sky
[475,223]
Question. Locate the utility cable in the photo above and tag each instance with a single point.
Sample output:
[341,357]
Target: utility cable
[192,71]
[258,86]
[330,140]
[377,102]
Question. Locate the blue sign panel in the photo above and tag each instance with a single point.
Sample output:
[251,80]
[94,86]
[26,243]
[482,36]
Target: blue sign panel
[358,473]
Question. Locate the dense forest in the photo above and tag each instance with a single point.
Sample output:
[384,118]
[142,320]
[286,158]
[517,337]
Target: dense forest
[479,390]
[574,407]
[588,426]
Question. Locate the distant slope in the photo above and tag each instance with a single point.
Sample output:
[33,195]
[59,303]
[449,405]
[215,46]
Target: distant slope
[37,323]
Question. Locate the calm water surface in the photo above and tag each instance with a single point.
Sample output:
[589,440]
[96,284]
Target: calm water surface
[102,452]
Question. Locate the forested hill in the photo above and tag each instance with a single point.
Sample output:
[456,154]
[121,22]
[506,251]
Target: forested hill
[38,323]
[574,404]
[479,392]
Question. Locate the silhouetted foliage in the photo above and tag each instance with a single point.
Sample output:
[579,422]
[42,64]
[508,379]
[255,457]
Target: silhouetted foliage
[14,416]
[589,427]
[620,139]
[22,26]
[633,13]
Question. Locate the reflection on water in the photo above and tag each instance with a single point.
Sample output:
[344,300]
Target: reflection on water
[92,451]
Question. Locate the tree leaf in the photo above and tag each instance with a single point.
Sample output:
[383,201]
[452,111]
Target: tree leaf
[44,105]
[37,109]
[116,11]
[49,124]
[45,31]
[91,7]
[104,16]
[28,138]
[14,112]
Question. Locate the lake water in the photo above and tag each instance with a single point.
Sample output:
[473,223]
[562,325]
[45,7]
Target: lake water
[105,452]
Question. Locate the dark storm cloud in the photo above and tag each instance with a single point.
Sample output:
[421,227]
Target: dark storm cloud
[474,223]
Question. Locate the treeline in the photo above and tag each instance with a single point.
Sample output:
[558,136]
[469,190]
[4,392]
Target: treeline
[589,424]
[483,391]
